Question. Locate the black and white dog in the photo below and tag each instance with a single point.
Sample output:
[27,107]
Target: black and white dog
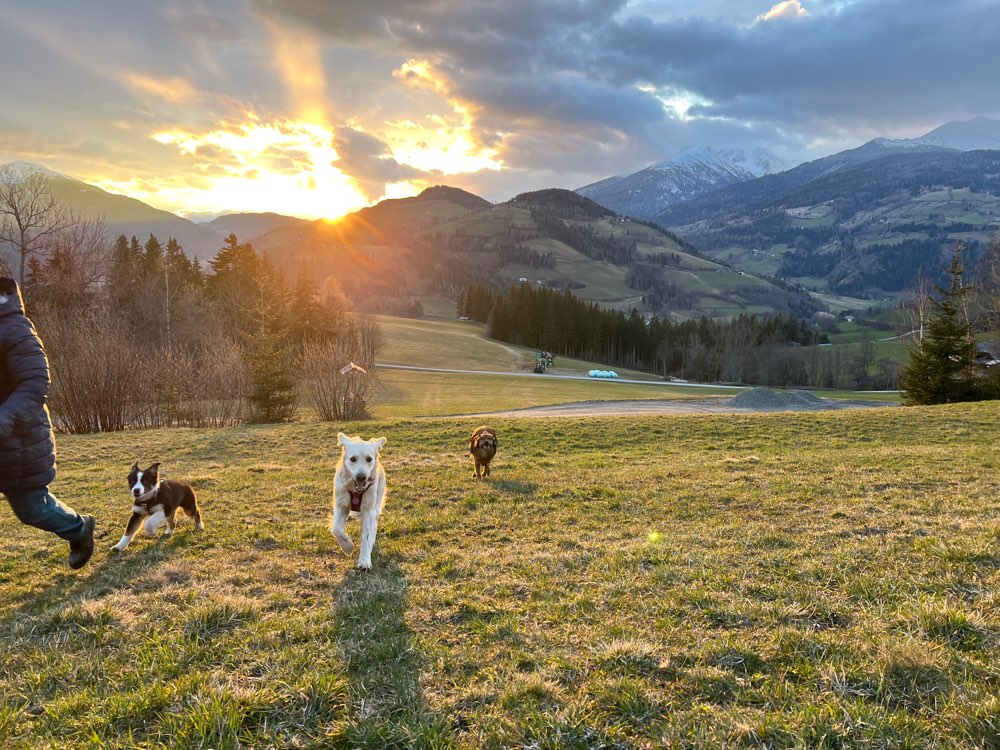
[156,501]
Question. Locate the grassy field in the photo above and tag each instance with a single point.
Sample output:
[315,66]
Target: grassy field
[406,393]
[463,345]
[783,580]
[459,345]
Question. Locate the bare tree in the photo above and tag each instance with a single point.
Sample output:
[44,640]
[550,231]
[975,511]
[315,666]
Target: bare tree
[204,387]
[369,341]
[916,306]
[989,284]
[29,214]
[76,262]
[94,387]
[338,388]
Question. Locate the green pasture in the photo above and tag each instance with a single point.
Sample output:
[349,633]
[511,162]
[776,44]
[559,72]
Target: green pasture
[489,223]
[438,308]
[794,580]
[838,303]
[407,393]
[451,344]
[463,345]
[809,222]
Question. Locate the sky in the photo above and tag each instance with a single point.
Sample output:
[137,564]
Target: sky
[315,108]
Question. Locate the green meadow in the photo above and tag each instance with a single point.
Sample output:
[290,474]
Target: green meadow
[789,580]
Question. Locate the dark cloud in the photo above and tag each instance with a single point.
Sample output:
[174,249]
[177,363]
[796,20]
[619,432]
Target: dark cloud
[541,67]
[884,59]
[368,160]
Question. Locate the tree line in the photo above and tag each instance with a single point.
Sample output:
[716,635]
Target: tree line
[141,335]
[777,350]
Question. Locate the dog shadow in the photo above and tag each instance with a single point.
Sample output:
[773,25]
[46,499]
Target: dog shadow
[105,574]
[524,489]
[380,657]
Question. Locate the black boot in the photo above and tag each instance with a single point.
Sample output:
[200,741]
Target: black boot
[81,550]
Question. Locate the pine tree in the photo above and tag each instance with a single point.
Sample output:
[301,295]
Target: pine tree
[152,258]
[307,319]
[942,366]
[233,285]
[272,395]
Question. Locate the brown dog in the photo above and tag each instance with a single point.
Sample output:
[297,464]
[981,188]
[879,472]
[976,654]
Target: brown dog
[483,448]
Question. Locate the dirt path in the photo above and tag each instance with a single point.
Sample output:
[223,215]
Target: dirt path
[719,405]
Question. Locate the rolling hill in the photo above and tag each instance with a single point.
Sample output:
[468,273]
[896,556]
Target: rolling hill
[445,239]
[128,216]
[251,225]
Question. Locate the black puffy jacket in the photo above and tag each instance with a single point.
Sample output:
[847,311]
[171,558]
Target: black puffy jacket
[27,448]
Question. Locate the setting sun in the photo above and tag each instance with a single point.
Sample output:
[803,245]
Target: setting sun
[286,167]
[290,167]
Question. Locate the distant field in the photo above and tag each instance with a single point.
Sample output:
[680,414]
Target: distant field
[453,344]
[407,394]
[838,303]
[741,581]
[435,307]
[462,345]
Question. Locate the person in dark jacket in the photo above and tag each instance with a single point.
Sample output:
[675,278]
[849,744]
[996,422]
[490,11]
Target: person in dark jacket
[27,445]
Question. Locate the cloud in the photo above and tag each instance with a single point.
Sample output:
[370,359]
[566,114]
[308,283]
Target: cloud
[783,10]
[175,89]
[297,57]
[369,161]
[557,82]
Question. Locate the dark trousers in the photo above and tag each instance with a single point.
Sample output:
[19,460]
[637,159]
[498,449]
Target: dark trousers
[39,508]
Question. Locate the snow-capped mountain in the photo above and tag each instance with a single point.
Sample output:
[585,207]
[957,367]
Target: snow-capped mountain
[18,170]
[970,135]
[682,176]
[758,162]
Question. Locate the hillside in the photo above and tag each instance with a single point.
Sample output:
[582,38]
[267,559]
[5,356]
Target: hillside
[128,216]
[248,226]
[971,135]
[827,579]
[668,191]
[443,240]
[755,193]
[860,223]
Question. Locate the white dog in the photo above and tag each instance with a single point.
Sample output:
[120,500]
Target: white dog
[359,490]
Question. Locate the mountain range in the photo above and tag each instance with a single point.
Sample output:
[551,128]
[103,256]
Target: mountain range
[652,192]
[385,256]
[444,239]
[860,227]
